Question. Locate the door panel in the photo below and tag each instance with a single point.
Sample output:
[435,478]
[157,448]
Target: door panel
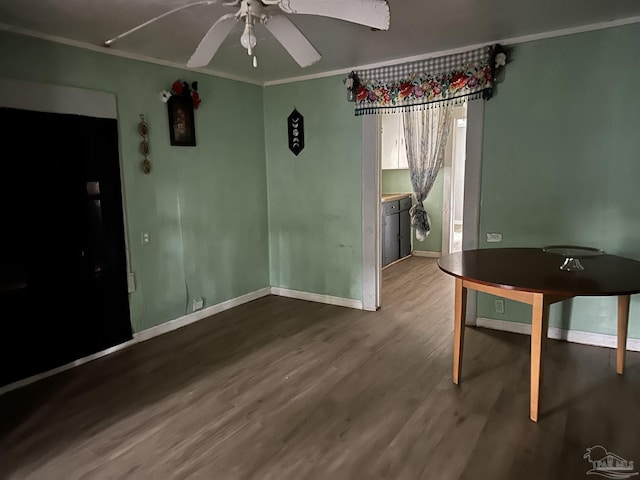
[391,241]
[405,233]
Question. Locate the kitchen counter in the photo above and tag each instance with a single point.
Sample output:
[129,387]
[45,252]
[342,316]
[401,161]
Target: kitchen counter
[389,197]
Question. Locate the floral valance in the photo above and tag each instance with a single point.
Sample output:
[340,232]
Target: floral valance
[414,85]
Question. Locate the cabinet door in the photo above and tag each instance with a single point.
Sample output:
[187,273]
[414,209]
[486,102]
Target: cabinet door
[390,238]
[405,233]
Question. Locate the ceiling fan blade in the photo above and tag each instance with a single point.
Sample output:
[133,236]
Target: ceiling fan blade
[154,19]
[292,40]
[212,40]
[372,13]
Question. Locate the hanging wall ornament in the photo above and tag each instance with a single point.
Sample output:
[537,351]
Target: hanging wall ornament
[143,130]
[295,124]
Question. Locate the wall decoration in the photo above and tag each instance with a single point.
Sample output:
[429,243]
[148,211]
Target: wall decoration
[182,131]
[143,130]
[432,82]
[352,82]
[181,101]
[182,88]
[295,124]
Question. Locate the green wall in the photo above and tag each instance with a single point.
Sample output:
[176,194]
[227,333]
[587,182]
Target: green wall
[561,160]
[315,206]
[205,207]
[560,165]
[398,181]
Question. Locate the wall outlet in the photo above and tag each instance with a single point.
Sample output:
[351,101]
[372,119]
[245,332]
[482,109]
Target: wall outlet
[146,238]
[499,304]
[198,303]
[494,237]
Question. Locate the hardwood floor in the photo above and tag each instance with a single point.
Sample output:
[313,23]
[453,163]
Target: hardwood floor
[287,389]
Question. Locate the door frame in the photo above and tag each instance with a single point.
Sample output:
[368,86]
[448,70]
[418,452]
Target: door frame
[371,212]
[371,188]
[447,186]
[52,98]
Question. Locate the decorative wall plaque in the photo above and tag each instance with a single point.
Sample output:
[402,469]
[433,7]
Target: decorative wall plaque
[143,130]
[295,123]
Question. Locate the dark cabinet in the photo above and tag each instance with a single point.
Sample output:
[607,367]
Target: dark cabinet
[390,238]
[396,230]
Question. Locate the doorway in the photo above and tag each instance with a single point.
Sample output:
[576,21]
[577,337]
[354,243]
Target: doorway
[372,192]
[63,285]
[453,184]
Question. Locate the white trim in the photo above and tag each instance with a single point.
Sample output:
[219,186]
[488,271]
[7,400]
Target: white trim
[449,174]
[505,41]
[573,336]
[330,73]
[43,97]
[199,315]
[144,335]
[317,297]
[472,190]
[446,205]
[52,98]
[123,54]
[371,241]
[425,253]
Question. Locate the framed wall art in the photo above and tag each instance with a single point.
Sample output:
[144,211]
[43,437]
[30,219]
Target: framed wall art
[182,129]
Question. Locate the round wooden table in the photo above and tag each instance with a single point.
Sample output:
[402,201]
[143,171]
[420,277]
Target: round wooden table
[532,276]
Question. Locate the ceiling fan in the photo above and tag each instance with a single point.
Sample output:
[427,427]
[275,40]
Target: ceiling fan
[372,13]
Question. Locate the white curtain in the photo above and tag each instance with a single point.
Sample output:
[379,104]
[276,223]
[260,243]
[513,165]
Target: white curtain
[425,132]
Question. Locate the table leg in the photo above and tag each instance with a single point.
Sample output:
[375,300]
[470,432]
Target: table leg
[539,328]
[623,322]
[458,328]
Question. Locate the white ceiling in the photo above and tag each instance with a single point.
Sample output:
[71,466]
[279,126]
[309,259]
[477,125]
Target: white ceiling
[417,27]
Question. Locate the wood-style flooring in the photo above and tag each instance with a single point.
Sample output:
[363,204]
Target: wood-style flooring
[288,389]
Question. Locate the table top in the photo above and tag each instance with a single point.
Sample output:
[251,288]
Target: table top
[532,270]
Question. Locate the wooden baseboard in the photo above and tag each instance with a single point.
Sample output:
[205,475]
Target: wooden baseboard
[574,336]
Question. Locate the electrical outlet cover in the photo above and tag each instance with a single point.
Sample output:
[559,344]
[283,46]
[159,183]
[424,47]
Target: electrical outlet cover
[198,303]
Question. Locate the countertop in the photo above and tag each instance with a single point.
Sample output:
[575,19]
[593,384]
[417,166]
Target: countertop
[389,197]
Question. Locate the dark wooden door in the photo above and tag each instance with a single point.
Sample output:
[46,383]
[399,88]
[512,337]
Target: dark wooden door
[63,288]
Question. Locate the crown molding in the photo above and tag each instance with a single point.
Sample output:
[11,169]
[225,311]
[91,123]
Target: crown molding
[329,73]
[505,41]
[122,54]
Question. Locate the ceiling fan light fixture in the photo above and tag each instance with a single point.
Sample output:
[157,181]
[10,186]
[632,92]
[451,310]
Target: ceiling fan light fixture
[372,13]
[248,38]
